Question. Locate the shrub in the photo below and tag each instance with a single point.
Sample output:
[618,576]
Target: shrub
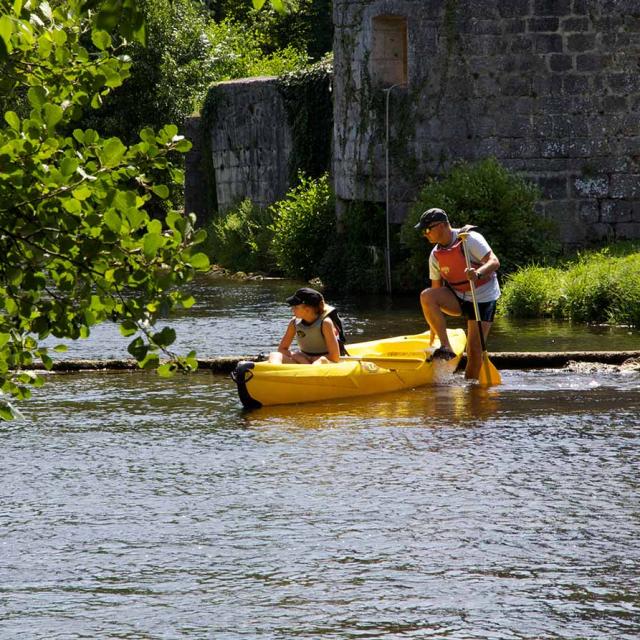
[601,286]
[355,258]
[499,202]
[625,303]
[240,239]
[532,292]
[303,226]
[590,288]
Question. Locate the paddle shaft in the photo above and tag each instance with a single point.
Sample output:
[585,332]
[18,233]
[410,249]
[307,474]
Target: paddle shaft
[473,292]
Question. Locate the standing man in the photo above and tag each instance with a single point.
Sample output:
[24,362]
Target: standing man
[450,291]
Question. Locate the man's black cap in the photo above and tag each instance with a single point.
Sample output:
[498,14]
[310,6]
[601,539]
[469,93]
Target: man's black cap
[430,216]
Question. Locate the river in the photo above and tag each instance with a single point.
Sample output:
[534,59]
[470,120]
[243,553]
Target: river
[140,508]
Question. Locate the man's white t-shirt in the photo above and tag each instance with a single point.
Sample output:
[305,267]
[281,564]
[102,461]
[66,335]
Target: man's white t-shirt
[478,248]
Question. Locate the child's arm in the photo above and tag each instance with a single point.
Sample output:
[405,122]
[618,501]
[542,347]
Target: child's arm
[287,338]
[331,339]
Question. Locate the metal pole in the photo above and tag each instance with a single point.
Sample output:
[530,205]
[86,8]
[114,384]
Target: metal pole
[386,166]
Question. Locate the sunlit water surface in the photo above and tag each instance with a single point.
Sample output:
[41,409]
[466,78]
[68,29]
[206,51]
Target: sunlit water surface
[135,507]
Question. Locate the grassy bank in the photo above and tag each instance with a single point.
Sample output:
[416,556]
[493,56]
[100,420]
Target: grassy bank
[595,286]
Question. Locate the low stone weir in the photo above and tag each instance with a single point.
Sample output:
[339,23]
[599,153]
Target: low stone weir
[502,360]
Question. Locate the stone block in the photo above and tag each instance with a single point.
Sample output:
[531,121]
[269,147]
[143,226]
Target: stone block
[576,84]
[628,230]
[614,41]
[630,146]
[588,212]
[623,83]
[552,7]
[520,148]
[591,187]
[543,24]
[569,126]
[523,105]
[484,126]
[581,7]
[614,104]
[579,42]
[553,187]
[547,106]
[521,44]
[575,24]
[514,8]
[588,147]
[601,231]
[487,147]
[547,85]
[625,185]
[554,149]
[515,85]
[590,62]
[616,211]
[542,126]
[547,43]
[515,25]
[559,62]
[512,125]
[478,26]
[565,215]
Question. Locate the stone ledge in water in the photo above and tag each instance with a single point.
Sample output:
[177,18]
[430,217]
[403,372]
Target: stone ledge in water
[553,359]
[624,360]
[629,365]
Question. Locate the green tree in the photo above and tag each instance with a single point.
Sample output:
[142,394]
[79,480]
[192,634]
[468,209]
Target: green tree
[78,246]
[169,74]
[305,25]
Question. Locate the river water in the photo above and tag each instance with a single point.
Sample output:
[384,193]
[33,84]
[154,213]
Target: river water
[140,508]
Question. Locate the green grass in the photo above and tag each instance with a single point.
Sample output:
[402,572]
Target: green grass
[600,286]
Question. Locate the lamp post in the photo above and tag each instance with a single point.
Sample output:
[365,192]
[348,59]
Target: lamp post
[386,162]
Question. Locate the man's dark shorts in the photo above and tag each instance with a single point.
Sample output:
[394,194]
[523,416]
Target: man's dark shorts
[487,310]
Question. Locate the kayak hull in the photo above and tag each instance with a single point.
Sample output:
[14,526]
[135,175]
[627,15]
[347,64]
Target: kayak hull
[262,383]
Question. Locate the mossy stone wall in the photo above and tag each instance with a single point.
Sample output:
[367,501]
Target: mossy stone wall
[549,87]
[253,137]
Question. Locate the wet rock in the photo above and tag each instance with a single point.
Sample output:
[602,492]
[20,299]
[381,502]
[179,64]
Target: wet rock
[631,364]
[591,367]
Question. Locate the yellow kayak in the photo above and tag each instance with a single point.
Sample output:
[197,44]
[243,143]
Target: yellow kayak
[372,367]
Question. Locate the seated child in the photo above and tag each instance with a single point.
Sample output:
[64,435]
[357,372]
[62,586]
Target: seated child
[317,328]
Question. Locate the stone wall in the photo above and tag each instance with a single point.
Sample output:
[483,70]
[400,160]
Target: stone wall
[242,146]
[551,88]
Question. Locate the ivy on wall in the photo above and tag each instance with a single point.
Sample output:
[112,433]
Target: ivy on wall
[208,115]
[307,99]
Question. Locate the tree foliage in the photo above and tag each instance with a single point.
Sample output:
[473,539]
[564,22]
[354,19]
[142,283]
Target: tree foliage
[168,74]
[78,246]
[305,25]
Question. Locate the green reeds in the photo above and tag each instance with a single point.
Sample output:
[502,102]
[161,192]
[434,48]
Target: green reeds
[600,287]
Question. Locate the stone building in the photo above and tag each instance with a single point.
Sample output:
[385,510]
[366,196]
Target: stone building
[551,88]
